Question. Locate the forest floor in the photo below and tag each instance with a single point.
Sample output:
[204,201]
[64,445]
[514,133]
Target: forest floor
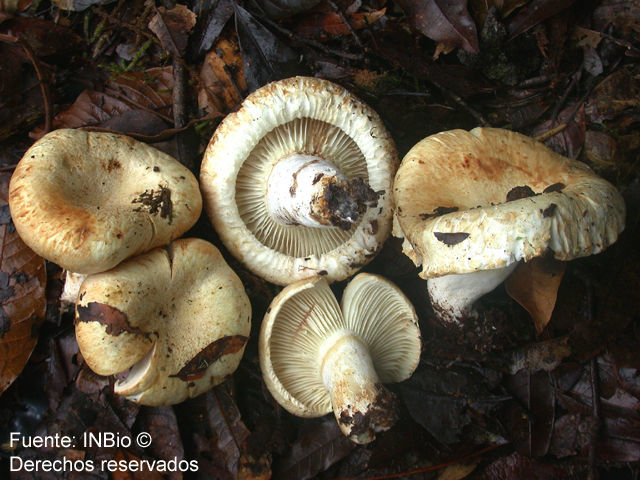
[504,396]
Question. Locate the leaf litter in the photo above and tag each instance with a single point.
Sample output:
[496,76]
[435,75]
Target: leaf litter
[516,385]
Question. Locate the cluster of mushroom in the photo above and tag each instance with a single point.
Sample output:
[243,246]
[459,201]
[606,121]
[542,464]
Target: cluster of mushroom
[297,183]
[108,209]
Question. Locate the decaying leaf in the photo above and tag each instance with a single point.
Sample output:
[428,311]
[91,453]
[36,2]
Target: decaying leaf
[22,296]
[212,17]
[321,445]
[446,22]
[149,92]
[318,25]
[222,82]
[266,58]
[172,28]
[534,285]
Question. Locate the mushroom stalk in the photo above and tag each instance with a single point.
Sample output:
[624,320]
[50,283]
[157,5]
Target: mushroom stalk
[307,190]
[361,404]
[453,296]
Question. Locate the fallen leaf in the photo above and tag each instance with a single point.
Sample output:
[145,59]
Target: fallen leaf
[320,24]
[530,420]
[149,92]
[534,285]
[611,97]
[222,81]
[443,21]
[265,57]
[623,16]
[198,365]
[319,446]
[535,12]
[446,400]
[22,296]
[172,28]
[586,37]
[161,423]
[212,16]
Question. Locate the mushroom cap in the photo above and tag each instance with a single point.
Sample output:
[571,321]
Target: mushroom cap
[178,317]
[296,115]
[304,321]
[88,200]
[451,203]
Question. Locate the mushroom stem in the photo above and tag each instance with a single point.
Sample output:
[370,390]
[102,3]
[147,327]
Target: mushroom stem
[453,296]
[72,283]
[361,404]
[307,190]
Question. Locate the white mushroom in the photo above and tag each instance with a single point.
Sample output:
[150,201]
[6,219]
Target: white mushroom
[297,181]
[316,358]
[87,200]
[175,319]
[470,205]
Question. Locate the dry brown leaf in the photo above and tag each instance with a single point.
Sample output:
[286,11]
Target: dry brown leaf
[333,24]
[222,79]
[172,28]
[534,285]
[149,90]
[22,296]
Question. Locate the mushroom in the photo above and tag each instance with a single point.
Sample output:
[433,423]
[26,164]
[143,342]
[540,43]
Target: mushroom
[316,358]
[297,181]
[87,200]
[173,321]
[471,205]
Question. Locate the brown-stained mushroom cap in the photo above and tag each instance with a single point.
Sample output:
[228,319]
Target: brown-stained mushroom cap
[297,181]
[87,200]
[316,356]
[470,205]
[178,317]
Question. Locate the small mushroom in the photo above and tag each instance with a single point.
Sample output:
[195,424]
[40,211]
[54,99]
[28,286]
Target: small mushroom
[173,322]
[87,200]
[316,356]
[297,181]
[471,205]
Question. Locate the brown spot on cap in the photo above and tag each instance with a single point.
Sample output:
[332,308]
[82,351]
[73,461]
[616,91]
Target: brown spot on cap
[438,211]
[556,187]
[115,320]
[451,238]
[196,367]
[516,193]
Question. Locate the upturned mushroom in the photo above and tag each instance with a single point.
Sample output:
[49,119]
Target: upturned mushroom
[317,357]
[173,322]
[87,200]
[471,205]
[297,181]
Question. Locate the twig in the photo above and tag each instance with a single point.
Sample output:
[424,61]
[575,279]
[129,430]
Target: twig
[535,81]
[595,393]
[311,43]
[551,132]
[458,99]
[344,19]
[160,137]
[44,85]
[565,95]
